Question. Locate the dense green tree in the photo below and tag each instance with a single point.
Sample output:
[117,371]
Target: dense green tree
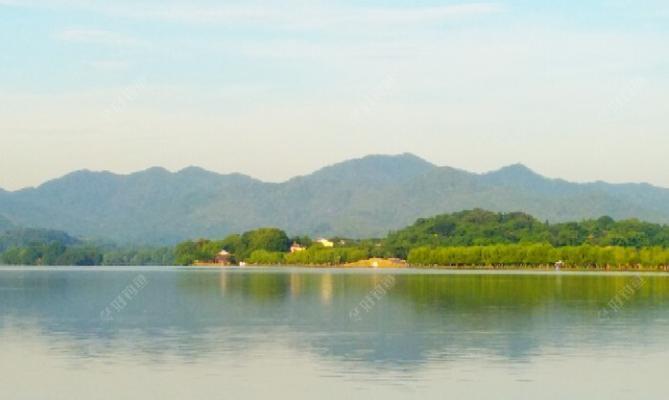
[139,256]
[187,253]
[264,257]
[269,239]
[305,241]
[84,255]
[233,244]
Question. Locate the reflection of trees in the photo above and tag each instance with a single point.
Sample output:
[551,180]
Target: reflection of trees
[255,286]
[277,286]
[295,285]
[426,293]
[196,313]
[518,292]
[326,288]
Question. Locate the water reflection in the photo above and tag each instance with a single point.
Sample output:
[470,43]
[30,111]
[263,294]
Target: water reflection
[425,321]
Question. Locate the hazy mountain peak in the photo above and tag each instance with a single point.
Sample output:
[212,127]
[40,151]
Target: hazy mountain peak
[516,169]
[77,178]
[386,159]
[515,173]
[378,168]
[403,157]
[198,173]
[153,171]
[194,169]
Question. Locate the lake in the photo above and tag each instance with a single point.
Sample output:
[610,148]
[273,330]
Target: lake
[183,333]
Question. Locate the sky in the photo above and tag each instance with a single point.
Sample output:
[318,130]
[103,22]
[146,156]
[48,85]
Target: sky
[572,89]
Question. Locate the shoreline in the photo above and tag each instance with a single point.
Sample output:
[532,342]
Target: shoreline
[339,269]
[439,268]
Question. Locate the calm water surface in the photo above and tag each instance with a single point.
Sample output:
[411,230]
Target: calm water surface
[330,334]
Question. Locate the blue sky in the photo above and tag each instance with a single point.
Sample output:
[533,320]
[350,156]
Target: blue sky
[577,90]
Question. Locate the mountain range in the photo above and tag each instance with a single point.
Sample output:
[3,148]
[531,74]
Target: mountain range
[365,197]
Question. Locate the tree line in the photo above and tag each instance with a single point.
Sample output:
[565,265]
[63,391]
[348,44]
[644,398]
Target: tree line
[27,246]
[313,256]
[534,255]
[474,237]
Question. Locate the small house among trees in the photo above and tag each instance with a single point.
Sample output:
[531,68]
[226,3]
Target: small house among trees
[223,258]
[296,247]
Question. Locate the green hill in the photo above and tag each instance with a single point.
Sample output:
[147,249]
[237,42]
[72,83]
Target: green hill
[480,227]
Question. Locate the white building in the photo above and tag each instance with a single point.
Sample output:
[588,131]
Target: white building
[325,242]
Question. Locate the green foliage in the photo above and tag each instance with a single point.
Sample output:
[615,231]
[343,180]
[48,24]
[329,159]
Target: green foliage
[269,239]
[52,254]
[48,247]
[305,241]
[233,244]
[187,253]
[24,246]
[139,256]
[480,227]
[80,255]
[264,257]
[476,227]
[318,255]
[540,255]
[20,256]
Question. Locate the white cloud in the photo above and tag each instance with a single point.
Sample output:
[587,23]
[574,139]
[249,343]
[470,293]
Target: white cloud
[42,3]
[97,36]
[301,16]
[421,14]
[290,14]
[109,65]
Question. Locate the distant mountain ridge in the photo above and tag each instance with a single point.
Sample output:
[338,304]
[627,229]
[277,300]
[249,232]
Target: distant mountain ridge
[358,198]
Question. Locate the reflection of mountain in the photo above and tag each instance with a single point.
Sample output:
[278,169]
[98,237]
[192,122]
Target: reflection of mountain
[198,314]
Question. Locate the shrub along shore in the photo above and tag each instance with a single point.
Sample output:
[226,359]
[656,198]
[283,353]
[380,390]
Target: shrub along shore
[542,256]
